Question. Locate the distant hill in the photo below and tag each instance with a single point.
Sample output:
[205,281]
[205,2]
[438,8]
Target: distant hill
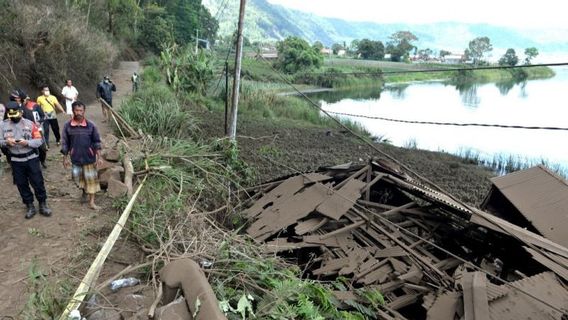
[265,22]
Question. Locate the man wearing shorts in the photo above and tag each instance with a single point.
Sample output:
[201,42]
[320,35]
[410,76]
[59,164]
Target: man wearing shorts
[80,146]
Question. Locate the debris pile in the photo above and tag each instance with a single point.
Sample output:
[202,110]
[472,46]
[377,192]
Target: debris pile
[430,256]
[112,171]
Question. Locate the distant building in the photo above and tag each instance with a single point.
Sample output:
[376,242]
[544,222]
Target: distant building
[269,55]
[341,52]
[327,51]
[453,58]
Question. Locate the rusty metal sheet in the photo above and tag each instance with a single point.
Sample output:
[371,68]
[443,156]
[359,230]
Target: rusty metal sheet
[288,212]
[341,200]
[518,306]
[541,197]
[282,192]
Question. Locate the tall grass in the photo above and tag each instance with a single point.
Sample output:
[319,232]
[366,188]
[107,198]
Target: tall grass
[156,111]
[507,163]
[268,105]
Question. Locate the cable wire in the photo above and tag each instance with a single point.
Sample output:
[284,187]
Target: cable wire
[449,123]
[402,165]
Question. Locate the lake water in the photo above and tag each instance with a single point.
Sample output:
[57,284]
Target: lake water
[542,103]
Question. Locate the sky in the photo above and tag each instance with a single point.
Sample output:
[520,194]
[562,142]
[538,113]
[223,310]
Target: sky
[515,14]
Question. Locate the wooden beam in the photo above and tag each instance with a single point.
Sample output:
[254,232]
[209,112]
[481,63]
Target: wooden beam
[93,273]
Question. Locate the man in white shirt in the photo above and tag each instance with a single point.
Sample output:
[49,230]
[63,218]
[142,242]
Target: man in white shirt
[70,93]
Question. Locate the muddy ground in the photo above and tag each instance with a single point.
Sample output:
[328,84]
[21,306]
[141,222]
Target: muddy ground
[276,148]
[60,247]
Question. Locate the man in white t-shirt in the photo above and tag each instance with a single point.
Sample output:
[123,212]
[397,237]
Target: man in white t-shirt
[70,93]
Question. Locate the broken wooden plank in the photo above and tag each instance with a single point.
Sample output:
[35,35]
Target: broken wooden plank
[283,192]
[310,225]
[331,266]
[347,228]
[353,176]
[340,201]
[475,303]
[404,301]
[286,213]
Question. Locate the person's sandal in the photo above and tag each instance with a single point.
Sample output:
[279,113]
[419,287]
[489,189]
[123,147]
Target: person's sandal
[95,207]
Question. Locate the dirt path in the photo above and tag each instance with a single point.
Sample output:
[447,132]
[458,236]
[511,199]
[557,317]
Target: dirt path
[51,243]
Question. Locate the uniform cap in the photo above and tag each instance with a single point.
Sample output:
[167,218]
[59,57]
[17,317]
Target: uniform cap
[13,110]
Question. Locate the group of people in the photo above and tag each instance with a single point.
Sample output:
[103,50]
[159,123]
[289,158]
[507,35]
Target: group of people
[24,140]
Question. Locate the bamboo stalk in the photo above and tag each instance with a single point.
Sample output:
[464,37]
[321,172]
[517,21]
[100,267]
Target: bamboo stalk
[93,272]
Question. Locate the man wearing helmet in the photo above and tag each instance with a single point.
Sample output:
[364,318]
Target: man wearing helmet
[22,138]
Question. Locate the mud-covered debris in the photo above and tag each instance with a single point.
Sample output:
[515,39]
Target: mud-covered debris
[430,255]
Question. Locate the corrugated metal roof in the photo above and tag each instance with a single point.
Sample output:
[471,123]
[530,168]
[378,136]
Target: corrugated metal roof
[518,306]
[541,197]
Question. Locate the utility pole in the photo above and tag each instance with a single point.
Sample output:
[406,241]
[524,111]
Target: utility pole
[196,40]
[237,79]
[226,97]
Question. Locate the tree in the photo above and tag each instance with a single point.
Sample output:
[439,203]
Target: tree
[336,47]
[296,54]
[120,14]
[318,46]
[369,49]
[400,45]
[530,53]
[189,18]
[509,58]
[478,47]
[444,53]
[354,46]
[155,29]
[425,54]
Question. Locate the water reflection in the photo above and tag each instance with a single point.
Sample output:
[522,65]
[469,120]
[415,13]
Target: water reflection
[369,93]
[527,103]
[506,86]
[468,93]
[398,91]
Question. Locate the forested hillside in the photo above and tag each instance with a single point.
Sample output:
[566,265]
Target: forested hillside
[49,41]
[265,21]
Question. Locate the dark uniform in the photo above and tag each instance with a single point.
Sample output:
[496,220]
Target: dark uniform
[105,89]
[22,138]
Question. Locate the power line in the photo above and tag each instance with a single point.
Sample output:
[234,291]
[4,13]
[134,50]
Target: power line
[449,123]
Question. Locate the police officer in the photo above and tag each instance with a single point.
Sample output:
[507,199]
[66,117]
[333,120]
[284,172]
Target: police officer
[33,112]
[22,137]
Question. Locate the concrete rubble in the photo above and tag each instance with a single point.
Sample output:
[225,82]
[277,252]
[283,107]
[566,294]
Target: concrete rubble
[431,256]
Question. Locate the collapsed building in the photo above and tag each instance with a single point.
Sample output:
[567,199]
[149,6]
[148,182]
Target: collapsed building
[430,255]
